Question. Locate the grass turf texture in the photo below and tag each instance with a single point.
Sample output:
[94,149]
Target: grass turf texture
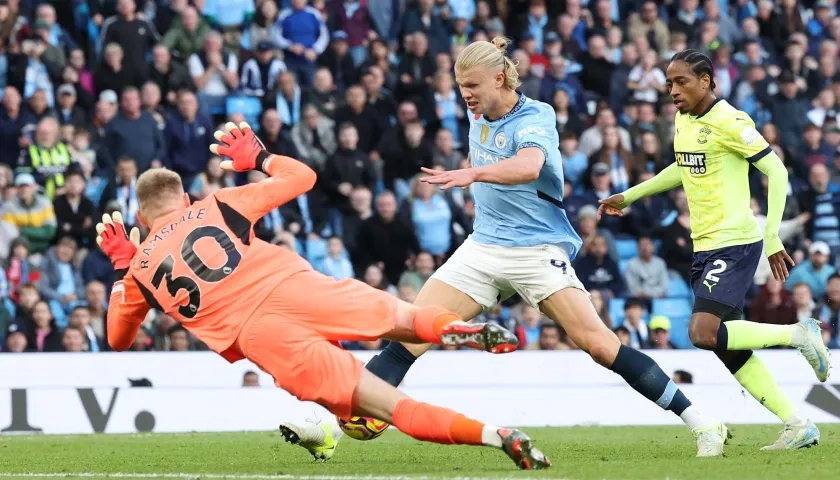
[577,453]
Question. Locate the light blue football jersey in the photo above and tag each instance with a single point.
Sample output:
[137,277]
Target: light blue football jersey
[521,215]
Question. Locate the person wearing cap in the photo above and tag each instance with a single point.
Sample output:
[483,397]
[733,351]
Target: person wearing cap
[588,229]
[259,73]
[47,158]
[16,341]
[68,112]
[815,271]
[660,333]
[32,213]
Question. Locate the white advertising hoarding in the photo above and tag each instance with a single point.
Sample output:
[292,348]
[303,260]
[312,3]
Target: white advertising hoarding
[87,393]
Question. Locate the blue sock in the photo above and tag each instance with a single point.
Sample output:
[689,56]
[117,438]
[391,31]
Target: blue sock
[392,364]
[647,378]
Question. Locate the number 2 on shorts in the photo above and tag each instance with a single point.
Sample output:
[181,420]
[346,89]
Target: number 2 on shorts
[712,276]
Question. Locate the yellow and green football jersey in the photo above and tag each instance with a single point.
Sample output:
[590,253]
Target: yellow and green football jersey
[713,152]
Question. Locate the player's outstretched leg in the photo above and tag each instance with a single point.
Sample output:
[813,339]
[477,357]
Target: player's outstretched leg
[422,421]
[435,324]
[708,332]
[572,310]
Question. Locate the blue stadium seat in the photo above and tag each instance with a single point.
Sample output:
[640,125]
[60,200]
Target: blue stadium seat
[671,307]
[679,332]
[627,248]
[616,309]
[677,288]
[249,107]
[622,265]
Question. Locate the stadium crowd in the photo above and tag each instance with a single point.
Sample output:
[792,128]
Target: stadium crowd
[95,92]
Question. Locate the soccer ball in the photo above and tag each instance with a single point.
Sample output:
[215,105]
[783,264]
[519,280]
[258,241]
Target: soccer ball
[363,428]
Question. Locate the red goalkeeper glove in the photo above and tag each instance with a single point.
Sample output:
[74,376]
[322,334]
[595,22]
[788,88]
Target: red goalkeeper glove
[118,245]
[245,150]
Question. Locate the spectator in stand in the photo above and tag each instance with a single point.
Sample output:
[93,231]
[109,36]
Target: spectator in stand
[214,73]
[287,99]
[601,307]
[445,153]
[123,192]
[424,267]
[822,200]
[423,18]
[302,34]
[323,93]
[368,123]
[307,216]
[814,150]
[43,333]
[646,23]
[404,157]
[660,333]
[592,138]
[348,169]
[230,17]
[80,319]
[634,310]
[179,339]
[73,340]
[96,302]
[112,74]
[314,138]
[374,277]
[68,112]
[339,62]
[828,311]
[168,75]
[32,213]
[773,304]
[787,230]
[134,132]
[11,126]
[260,72]
[134,34]
[432,217]
[528,326]
[597,271]
[47,158]
[275,136]
[16,341]
[19,270]
[212,179]
[804,302]
[187,34]
[150,98]
[361,201]
[549,338]
[74,212]
[261,27]
[187,135]
[619,162]
[815,272]
[588,229]
[647,274]
[677,246]
[416,71]
[60,279]
[385,238]
[354,18]
[337,262]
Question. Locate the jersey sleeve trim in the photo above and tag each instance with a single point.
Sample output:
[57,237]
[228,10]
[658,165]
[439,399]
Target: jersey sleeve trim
[758,156]
[532,145]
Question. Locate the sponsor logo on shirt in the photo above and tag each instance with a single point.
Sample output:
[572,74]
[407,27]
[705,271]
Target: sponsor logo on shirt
[695,162]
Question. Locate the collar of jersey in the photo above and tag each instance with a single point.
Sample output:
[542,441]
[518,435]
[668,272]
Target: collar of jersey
[715,102]
[513,110]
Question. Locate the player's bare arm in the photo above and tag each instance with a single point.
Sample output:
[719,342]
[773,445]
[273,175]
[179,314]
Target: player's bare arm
[777,185]
[665,180]
[523,168]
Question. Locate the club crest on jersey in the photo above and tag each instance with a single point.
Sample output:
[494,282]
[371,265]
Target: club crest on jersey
[704,132]
[501,140]
[485,132]
[695,162]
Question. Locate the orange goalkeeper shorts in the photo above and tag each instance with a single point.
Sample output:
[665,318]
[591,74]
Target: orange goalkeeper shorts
[290,336]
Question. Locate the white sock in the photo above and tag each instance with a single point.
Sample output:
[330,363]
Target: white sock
[694,419]
[490,436]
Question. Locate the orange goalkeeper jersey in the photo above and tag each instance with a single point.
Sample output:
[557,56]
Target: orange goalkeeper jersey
[203,265]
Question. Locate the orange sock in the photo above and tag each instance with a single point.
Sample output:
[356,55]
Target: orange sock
[429,321]
[431,423]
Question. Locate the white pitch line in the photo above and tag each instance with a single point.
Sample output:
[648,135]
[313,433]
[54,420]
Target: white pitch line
[217,476]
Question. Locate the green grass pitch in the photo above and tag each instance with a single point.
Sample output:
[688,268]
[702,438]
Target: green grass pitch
[577,453]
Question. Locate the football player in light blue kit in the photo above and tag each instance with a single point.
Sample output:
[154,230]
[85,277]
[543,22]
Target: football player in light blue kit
[522,242]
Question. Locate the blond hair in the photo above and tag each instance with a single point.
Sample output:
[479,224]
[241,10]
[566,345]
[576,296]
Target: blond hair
[490,54]
[156,188]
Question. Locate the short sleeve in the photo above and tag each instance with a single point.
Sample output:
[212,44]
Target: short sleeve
[195,66]
[740,136]
[539,133]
